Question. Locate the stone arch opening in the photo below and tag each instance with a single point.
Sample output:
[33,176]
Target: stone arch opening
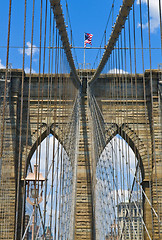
[131,139]
[56,188]
[35,142]
[119,200]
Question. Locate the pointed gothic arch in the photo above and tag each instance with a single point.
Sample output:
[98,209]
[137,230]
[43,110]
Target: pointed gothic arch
[131,137]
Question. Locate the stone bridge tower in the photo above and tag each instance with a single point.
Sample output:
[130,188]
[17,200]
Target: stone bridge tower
[138,121]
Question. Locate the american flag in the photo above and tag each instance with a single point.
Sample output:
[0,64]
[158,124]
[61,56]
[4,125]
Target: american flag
[87,38]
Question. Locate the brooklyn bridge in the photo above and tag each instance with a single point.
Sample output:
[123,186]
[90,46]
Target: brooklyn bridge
[80,145]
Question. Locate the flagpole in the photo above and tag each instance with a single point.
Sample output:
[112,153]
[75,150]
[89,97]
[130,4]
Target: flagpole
[84,52]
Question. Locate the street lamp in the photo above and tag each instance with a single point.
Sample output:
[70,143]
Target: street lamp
[34,183]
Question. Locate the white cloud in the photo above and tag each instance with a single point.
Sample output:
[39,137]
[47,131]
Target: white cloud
[144,26]
[154,15]
[1,65]
[118,71]
[28,49]
[35,60]
[27,70]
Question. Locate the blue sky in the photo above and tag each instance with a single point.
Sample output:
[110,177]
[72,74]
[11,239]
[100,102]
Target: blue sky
[85,16]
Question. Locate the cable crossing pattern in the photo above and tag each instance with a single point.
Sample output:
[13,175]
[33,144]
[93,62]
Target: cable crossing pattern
[81,149]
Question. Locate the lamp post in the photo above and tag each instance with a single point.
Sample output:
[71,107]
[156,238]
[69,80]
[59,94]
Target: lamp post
[34,183]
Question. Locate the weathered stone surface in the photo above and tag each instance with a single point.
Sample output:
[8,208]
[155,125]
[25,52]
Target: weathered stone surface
[137,119]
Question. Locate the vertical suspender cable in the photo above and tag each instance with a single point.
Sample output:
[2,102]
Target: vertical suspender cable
[6,74]
[53,153]
[28,114]
[21,113]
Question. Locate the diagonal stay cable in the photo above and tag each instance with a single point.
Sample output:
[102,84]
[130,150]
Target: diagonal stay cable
[111,12]
[57,10]
[120,21]
[135,179]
